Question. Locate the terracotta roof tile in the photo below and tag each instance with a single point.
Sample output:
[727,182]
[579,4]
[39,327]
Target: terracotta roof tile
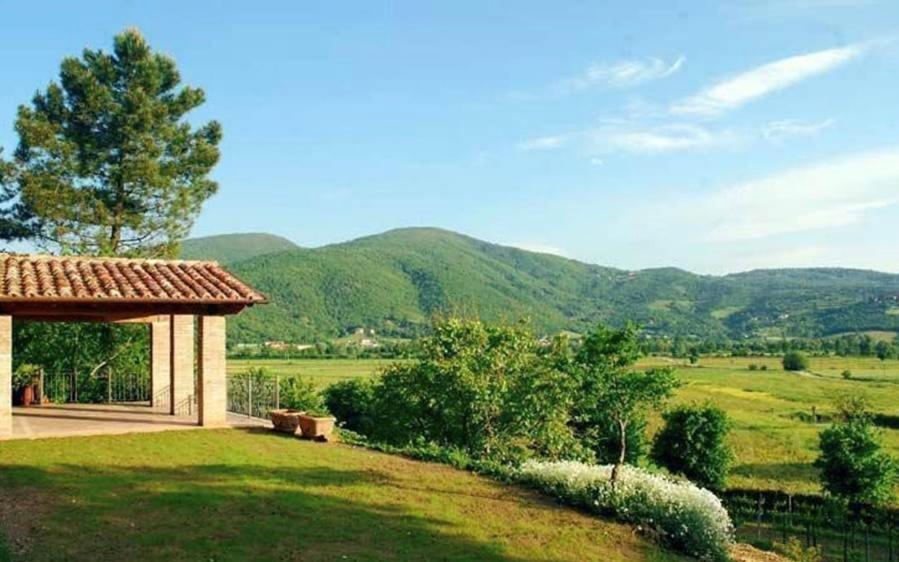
[65,278]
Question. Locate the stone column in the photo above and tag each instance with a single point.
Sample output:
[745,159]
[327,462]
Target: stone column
[160,362]
[181,351]
[211,382]
[5,377]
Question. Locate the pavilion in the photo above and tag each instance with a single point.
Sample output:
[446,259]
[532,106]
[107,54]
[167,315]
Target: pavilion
[167,295]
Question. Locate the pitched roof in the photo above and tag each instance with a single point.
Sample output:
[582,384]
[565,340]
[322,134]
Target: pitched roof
[37,278]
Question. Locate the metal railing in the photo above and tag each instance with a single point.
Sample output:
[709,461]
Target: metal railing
[106,386]
[254,395]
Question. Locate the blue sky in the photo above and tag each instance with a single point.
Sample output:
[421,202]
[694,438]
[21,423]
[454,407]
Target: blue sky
[712,136]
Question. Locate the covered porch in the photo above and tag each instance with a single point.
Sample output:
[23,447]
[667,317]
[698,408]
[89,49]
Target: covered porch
[183,304]
[69,420]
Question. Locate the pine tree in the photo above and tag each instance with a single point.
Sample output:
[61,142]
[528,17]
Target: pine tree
[106,163]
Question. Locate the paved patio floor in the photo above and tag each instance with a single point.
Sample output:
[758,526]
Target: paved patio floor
[64,420]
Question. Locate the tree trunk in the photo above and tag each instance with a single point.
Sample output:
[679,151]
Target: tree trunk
[622,453]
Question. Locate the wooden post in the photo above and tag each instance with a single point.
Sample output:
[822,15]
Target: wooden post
[249,396]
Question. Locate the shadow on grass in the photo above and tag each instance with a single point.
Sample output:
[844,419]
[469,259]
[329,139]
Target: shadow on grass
[230,512]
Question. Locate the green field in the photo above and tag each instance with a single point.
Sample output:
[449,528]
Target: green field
[222,495]
[773,446]
[321,371]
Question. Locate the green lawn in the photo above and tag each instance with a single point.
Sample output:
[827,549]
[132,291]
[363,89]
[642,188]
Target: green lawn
[238,495]
[774,448]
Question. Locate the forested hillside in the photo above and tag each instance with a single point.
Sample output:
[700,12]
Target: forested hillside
[229,248]
[393,282]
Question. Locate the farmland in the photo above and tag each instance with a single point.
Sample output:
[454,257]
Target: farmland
[772,433]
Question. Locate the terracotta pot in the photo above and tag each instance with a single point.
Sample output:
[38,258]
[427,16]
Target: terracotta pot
[286,420]
[318,428]
[27,395]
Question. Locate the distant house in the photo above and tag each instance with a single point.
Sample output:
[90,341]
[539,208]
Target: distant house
[284,346]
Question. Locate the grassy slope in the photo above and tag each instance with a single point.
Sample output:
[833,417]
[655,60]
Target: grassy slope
[229,248]
[234,495]
[774,447]
[394,281]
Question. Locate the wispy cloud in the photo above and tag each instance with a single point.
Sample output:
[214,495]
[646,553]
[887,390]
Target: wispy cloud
[544,143]
[777,131]
[621,74]
[826,195]
[631,138]
[667,138]
[763,80]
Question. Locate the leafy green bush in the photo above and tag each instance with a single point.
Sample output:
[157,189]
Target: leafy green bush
[300,394]
[692,443]
[795,549]
[795,361]
[687,518]
[753,367]
[853,465]
[847,374]
[24,375]
[350,401]
[480,389]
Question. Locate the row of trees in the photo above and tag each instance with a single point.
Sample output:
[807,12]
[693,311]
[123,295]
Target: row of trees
[495,394]
[847,345]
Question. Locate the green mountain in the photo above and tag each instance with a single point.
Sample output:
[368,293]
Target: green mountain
[229,248]
[395,281]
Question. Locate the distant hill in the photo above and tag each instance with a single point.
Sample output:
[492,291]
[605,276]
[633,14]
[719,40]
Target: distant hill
[229,248]
[393,282]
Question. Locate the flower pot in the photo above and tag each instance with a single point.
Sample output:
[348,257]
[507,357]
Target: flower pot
[318,428]
[286,420]
[28,395]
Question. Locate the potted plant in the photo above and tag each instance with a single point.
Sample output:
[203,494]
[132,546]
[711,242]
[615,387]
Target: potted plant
[316,426]
[286,420]
[24,384]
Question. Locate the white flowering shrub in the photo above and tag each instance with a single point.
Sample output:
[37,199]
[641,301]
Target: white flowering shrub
[687,518]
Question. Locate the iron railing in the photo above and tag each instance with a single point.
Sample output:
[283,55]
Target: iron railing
[254,394]
[106,386]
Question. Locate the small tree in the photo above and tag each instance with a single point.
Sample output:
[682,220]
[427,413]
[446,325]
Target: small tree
[693,443]
[853,465]
[609,390]
[694,356]
[795,361]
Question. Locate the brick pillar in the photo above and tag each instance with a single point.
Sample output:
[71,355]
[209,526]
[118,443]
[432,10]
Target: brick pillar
[211,383]
[181,349]
[5,377]
[160,363]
